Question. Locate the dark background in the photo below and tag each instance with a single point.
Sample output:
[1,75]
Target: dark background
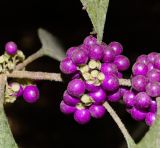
[136,24]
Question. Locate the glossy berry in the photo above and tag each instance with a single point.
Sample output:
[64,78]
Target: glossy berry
[124,90]
[98,96]
[150,118]
[139,69]
[82,116]
[153,75]
[157,62]
[69,100]
[31,93]
[153,89]
[129,99]
[117,47]
[91,87]
[96,52]
[109,55]
[142,59]
[137,114]
[67,66]
[70,51]
[122,62]
[76,87]
[109,68]
[139,83]
[152,56]
[150,66]
[143,101]
[153,107]
[11,48]
[66,109]
[89,41]
[114,96]
[79,57]
[110,83]
[97,111]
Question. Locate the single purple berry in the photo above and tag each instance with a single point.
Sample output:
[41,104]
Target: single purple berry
[153,89]
[97,111]
[139,69]
[137,114]
[150,66]
[89,41]
[82,116]
[66,109]
[96,52]
[150,118]
[110,83]
[129,98]
[99,96]
[76,87]
[11,48]
[143,101]
[157,62]
[79,57]
[31,93]
[114,96]
[124,90]
[122,62]
[153,107]
[117,47]
[70,51]
[153,75]
[69,100]
[139,83]
[152,57]
[109,55]
[142,59]
[109,68]
[91,87]
[67,66]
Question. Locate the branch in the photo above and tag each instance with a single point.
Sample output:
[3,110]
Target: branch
[6,137]
[128,138]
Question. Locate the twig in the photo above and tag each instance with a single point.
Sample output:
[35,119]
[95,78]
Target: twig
[125,82]
[128,138]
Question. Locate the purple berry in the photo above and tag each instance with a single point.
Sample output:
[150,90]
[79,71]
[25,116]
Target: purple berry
[31,93]
[150,66]
[150,118]
[157,62]
[129,99]
[69,100]
[124,90]
[139,83]
[79,57]
[153,107]
[99,96]
[66,109]
[91,87]
[153,75]
[152,56]
[117,47]
[109,55]
[109,68]
[114,96]
[143,101]
[70,51]
[67,66]
[11,48]
[110,83]
[89,41]
[76,87]
[142,59]
[82,116]
[122,62]
[139,69]
[96,52]
[137,114]
[97,111]
[153,89]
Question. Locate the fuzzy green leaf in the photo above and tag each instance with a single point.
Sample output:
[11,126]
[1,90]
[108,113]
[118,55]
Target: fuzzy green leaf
[97,10]
[50,45]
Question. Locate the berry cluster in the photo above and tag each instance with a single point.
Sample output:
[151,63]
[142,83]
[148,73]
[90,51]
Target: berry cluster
[146,87]
[8,61]
[94,70]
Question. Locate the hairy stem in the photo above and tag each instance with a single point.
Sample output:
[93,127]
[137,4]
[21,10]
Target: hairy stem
[6,137]
[30,59]
[128,138]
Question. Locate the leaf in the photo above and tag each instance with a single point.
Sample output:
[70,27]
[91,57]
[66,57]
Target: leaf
[50,45]
[97,10]
[152,137]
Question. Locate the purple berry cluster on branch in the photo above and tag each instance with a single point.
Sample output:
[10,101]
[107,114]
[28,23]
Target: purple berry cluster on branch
[94,70]
[141,99]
